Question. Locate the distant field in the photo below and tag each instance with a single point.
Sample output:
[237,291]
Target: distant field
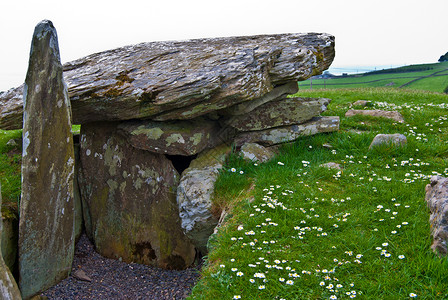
[426,77]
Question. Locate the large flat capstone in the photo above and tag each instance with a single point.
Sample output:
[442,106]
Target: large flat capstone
[182,79]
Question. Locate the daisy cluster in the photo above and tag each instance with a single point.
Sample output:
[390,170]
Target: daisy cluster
[283,219]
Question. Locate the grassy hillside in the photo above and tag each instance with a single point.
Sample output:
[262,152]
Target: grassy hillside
[301,231]
[426,77]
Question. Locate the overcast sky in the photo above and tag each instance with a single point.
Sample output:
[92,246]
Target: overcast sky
[368,32]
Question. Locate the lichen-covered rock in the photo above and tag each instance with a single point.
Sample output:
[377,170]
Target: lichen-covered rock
[195,193]
[185,79]
[281,112]
[437,200]
[186,138]
[395,139]
[129,197]
[8,286]
[394,115]
[46,234]
[256,153]
[285,134]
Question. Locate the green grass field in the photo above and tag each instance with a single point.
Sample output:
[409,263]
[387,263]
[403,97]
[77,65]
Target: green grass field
[301,231]
[296,230]
[418,77]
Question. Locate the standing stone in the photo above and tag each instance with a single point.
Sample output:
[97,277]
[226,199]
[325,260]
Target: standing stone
[129,201]
[46,226]
[8,286]
[195,193]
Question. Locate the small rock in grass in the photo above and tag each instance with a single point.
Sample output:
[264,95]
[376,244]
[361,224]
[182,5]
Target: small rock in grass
[362,103]
[256,152]
[11,142]
[331,165]
[394,115]
[381,139]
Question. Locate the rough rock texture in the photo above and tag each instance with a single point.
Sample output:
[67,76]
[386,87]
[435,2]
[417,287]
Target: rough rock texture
[11,108]
[186,138]
[437,200]
[9,241]
[77,197]
[256,153]
[394,115]
[278,113]
[279,92]
[195,193]
[362,103]
[395,139]
[184,79]
[8,286]
[285,134]
[129,197]
[46,234]
[331,165]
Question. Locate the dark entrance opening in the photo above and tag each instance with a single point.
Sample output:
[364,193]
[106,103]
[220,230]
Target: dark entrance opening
[181,162]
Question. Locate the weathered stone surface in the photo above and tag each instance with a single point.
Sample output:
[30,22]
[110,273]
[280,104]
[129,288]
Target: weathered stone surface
[46,234]
[187,137]
[394,115]
[285,134]
[11,109]
[195,193]
[9,239]
[185,79]
[279,92]
[255,152]
[437,200]
[395,139]
[331,165]
[8,286]
[362,103]
[81,275]
[131,199]
[280,112]
[77,197]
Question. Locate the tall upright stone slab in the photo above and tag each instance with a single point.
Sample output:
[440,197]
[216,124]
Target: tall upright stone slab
[46,226]
[8,286]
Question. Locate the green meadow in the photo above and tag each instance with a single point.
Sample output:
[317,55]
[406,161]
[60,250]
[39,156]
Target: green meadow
[297,230]
[426,77]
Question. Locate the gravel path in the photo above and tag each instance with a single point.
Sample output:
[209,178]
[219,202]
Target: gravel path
[112,279]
